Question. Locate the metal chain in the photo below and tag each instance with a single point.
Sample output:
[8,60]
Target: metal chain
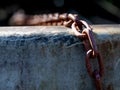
[91,51]
[81,29]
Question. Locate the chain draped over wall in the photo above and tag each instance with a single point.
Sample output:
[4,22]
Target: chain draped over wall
[81,30]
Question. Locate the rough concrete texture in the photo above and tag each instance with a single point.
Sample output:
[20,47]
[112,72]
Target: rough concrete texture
[52,58]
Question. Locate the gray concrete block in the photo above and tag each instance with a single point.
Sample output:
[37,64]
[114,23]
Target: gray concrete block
[52,58]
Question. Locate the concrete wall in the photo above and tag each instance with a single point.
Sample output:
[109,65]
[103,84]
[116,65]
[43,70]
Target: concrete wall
[52,58]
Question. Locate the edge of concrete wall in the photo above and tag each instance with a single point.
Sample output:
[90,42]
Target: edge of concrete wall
[33,56]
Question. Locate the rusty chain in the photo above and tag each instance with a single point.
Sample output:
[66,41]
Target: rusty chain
[81,29]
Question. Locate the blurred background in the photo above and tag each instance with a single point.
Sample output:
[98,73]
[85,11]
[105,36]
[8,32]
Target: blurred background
[93,11]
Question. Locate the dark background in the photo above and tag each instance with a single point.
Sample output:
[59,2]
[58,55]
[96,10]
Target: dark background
[94,11]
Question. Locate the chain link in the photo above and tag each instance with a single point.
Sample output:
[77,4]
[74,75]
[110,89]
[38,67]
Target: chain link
[81,29]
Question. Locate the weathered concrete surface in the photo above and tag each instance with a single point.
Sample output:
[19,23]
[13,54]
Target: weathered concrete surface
[52,58]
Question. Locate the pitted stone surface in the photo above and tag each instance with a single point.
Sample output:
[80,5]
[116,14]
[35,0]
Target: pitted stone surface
[52,58]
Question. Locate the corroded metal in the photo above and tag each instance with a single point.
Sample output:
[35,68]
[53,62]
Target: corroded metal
[81,29]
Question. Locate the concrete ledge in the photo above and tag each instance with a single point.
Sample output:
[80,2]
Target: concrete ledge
[52,58]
